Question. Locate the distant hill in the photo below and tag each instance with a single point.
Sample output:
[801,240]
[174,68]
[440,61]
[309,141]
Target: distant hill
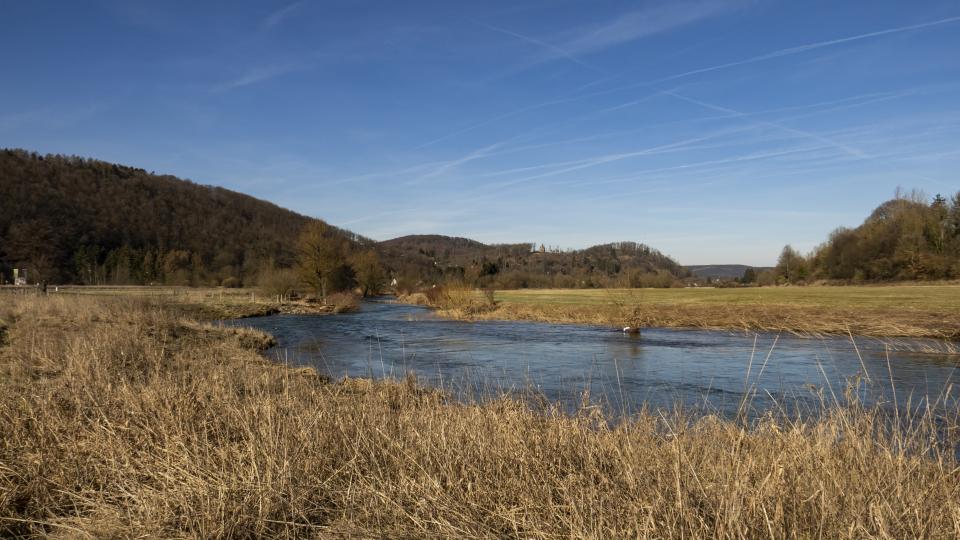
[72,219]
[81,220]
[437,258]
[721,271]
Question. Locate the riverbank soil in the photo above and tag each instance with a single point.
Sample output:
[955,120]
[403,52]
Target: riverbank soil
[120,418]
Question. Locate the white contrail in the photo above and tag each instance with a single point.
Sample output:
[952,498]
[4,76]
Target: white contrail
[808,47]
[854,152]
[543,44]
[571,165]
[452,164]
[768,56]
[722,161]
[435,168]
[610,158]
[737,114]
[503,116]
[279,15]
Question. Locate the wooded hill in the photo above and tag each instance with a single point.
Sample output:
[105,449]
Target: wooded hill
[910,237]
[510,266]
[71,219]
[722,271]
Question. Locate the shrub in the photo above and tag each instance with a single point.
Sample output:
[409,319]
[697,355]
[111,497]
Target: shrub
[343,301]
[278,281]
[460,298]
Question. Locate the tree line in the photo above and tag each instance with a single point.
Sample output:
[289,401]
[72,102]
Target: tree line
[435,259]
[910,237]
[70,219]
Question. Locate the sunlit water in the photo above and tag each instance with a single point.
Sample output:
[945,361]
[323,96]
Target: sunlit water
[660,368]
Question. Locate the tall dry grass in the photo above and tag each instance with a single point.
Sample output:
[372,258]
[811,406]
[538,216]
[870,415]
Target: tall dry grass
[457,300]
[117,419]
[798,320]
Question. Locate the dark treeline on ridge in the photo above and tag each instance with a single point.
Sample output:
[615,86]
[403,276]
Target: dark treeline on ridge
[909,237]
[513,266]
[71,219]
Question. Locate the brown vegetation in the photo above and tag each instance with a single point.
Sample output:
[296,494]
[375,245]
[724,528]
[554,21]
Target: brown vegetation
[809,321]
[118,419]
[460,301]
[883,312]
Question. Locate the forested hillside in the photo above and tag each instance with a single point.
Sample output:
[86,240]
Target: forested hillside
[87,221]
[909,237]
[723,271]
[440,258]
[71,219]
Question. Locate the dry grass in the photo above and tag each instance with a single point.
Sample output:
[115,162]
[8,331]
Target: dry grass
[459,301]
[210,303]
[890,311]
[117,419]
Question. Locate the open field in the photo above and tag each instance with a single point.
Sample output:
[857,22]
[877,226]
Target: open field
[119,418]
[912,311]
[940,298]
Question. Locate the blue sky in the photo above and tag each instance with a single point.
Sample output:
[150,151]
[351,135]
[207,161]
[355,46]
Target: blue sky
[715,131]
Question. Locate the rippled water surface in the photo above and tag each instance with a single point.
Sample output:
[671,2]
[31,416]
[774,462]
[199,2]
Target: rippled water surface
[662,367]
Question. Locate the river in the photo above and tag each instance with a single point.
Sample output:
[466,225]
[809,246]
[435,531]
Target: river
[661,368]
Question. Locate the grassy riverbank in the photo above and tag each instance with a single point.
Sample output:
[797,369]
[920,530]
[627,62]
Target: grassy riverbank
[119,418]
[913,311]
[208,303]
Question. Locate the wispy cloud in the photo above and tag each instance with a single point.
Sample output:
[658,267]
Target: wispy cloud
[624,28]
[611,158]
[453,164]
[850,150]
[496,118]
[645,22]
[274,19]
[737,114]
[549,48]
[807,47]
[756,156]
[260,74]
[760,58]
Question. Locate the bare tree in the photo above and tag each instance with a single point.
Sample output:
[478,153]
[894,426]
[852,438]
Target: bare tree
[321,252]
[369,272]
